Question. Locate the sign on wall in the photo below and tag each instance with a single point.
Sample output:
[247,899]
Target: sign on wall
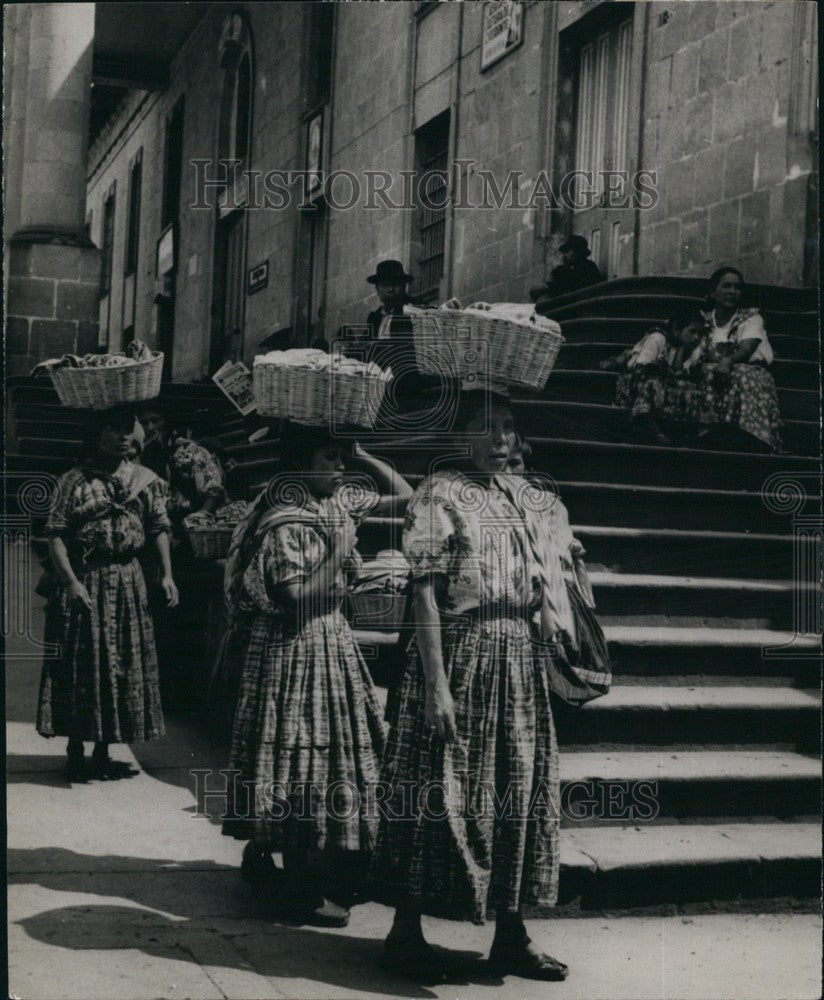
[502,30]
[257,278]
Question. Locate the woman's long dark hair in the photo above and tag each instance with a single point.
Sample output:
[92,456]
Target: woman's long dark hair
[299,441]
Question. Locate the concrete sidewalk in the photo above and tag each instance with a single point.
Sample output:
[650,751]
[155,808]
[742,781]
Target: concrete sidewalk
[117,891]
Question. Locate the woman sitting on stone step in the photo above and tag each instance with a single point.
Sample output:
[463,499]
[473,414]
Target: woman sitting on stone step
[655,369]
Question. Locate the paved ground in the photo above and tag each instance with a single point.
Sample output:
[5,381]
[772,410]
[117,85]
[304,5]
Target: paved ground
[117,891]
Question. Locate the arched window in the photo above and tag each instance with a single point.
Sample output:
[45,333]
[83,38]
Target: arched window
[236,62]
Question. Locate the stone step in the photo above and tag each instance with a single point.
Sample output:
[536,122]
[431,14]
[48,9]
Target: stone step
[584,357]
[618,462]
[646,599]
[593,422]
[630,866]
[661,307]
[695,289]
[643,550]
[749,654]
[599,387]
[621,332]
[664,715]
[615,786]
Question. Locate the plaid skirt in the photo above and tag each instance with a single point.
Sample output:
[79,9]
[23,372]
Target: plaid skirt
[473,824]
[307,738]
[103,686]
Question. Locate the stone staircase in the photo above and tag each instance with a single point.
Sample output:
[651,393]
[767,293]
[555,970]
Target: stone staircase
[710,736]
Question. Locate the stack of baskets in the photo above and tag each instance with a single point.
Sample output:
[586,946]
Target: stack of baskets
[342,393]
[102,387]
[472,344]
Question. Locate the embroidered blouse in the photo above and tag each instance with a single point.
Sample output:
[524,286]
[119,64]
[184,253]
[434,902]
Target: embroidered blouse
[744,324]
[474,535]
[108,514]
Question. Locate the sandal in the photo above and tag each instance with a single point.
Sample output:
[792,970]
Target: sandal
[328,914]
[525,961]
[105,769]
[75,769]
[414,958]
[257,865]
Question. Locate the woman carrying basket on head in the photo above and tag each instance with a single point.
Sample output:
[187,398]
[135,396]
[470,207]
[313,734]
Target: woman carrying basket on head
[103,685]
[474,723]
[308,729]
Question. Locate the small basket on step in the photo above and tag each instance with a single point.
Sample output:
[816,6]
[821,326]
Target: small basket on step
[453,343]
[375,610]
[104,387]
[210,542]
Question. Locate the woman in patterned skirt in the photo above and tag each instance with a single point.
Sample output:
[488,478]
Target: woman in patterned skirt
[103,684]
[308,729]
[470,810]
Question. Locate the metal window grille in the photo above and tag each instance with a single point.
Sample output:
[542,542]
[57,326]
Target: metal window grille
[433,217]
[107,247]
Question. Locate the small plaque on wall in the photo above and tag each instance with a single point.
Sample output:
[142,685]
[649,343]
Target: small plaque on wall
[257,278]
[502,30]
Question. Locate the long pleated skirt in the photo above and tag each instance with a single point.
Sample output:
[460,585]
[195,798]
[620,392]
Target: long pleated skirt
[307,739]
[473,824]
[103,684]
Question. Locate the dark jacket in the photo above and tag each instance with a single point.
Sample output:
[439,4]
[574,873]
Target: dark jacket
[568,278]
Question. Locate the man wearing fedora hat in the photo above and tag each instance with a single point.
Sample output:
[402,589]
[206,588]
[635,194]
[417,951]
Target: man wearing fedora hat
[577,270]
[390,281]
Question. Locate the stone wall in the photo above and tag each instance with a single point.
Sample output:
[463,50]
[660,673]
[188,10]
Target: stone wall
[732,179]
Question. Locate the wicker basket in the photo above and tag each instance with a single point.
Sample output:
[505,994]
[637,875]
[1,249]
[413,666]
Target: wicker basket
[210,543]
[452,343]
[102,388]
[370,610]
[318,397]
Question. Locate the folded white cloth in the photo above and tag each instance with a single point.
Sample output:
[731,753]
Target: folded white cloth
[309,359]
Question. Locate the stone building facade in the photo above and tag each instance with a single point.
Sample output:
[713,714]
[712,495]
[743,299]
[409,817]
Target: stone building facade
[711,104]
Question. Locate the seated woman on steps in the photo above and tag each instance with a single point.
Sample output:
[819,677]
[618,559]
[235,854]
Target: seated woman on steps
[727,388]
[655,367]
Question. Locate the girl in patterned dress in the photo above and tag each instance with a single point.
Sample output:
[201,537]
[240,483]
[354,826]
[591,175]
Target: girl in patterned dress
[664,356]
[103,684]
[308,729]
[470,818]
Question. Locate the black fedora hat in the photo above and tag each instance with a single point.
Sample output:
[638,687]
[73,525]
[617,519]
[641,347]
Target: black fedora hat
[389,272]
[280,340]
[575,242]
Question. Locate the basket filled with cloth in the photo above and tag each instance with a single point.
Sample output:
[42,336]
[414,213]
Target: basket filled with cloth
[377,595]
[101,381]
[210,534]
[313,387]
[505,343]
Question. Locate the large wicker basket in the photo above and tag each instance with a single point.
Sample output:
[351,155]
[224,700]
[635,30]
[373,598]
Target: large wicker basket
[452,343]
[318,397]
[379,611]
[212,542]
[102,388]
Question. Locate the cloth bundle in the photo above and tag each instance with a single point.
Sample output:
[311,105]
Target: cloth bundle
[515,312]
[387,573]
[224,517]
[135,353]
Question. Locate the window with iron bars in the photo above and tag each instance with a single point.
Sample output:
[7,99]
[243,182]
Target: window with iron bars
[432,149]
